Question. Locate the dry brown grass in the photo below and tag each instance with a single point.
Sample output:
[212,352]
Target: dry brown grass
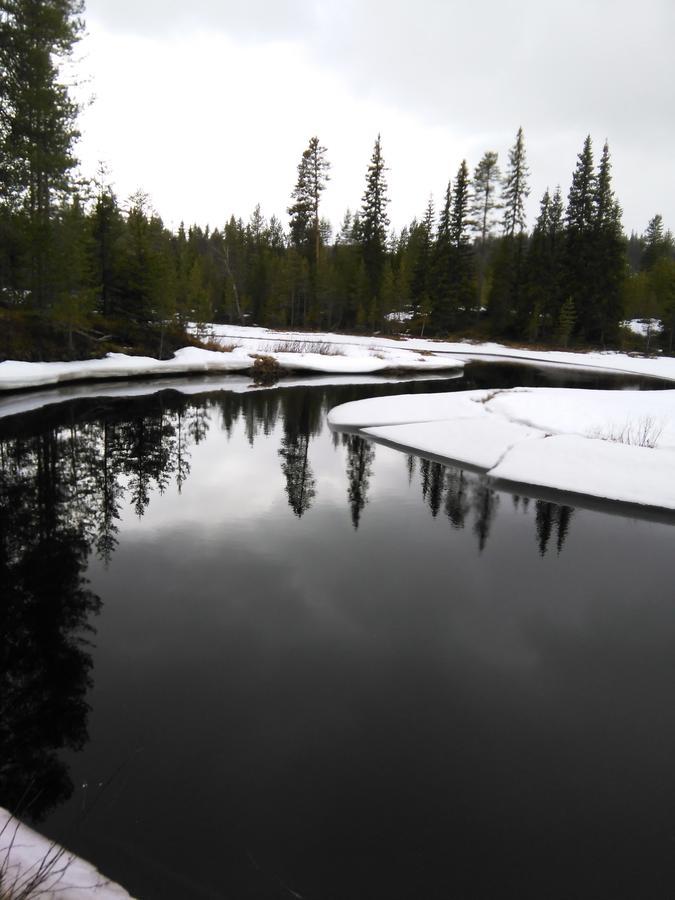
[643,432]
[266,369]
[211,344]
[324,348]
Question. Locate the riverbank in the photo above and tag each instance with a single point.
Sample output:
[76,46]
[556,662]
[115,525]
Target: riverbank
[18,375]
[254,338]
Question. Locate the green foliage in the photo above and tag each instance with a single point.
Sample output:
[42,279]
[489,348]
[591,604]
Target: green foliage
[566,321]
[596,263]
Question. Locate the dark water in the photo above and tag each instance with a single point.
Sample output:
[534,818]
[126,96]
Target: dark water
[244,657]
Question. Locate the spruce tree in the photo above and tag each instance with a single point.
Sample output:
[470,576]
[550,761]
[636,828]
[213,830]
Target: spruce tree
[609,260]
[544,272]
[579,225]
[106,230]
[515,189]
[656,243]
[580,200]
[374,223]
[304,212]
[506,300]
[461,269]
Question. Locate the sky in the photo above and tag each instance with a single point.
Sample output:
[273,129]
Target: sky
[208,105]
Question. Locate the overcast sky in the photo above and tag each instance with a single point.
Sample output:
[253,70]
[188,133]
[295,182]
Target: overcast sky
[208,105]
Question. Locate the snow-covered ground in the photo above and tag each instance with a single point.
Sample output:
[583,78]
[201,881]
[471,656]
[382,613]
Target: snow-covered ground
[644,327]
[15,374]
[323,353]
[254,338]
[616,445]
[32,866]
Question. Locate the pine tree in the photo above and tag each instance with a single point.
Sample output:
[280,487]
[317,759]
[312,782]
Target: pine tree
[374,222]
[609,260]
[304,213]
[506,300]
[486,177]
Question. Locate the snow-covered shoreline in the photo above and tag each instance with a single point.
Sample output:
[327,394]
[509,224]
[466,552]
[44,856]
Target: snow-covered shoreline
[254,337]
[18,375]
[320,353]
[614,445]
[29,860]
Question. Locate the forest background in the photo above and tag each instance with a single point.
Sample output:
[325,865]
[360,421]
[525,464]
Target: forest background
[83,273]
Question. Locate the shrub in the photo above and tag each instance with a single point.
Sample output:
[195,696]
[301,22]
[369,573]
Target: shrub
[645,432]
[266,369]
[324,348]
[211,343]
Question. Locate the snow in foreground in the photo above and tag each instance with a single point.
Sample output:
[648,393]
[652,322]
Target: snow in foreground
[28,860]
[616,445]
[15,374]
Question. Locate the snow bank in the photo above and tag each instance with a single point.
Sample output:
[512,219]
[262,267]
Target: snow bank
[26,855]
[597,468]
[557,438]
[15,374]
[608,361]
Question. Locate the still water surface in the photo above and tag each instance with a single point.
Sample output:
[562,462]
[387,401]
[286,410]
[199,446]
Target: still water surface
[244,657]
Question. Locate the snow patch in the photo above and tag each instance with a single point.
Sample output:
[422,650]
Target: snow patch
[15,374]
[27,857]
[564,439]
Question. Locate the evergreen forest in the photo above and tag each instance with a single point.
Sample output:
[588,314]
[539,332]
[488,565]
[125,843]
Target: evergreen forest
[83,272]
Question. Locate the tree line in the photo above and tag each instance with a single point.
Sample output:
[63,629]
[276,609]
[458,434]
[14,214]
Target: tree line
[82,272]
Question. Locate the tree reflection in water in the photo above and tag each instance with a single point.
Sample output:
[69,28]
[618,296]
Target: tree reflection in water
[65,475]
